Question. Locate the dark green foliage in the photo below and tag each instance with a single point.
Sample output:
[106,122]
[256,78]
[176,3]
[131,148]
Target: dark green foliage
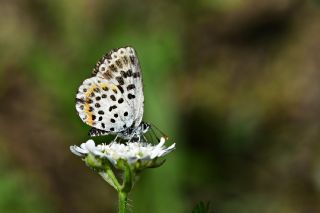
[201,208]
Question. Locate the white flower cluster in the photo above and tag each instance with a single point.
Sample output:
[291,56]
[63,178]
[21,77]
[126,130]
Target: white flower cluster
[129,152]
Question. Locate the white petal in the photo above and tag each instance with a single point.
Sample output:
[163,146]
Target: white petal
[172,146]
[130,152]
[90,145]
[161,143]
[78,151]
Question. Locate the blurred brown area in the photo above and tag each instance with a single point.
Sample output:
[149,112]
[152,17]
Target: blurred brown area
[255,72]
[236,84]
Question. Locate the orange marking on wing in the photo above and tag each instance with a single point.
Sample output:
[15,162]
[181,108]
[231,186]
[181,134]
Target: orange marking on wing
[110,86]
[87,105]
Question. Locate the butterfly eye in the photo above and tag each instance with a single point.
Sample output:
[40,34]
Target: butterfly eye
[145,126]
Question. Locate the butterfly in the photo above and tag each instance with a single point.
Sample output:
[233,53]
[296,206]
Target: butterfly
[112,100]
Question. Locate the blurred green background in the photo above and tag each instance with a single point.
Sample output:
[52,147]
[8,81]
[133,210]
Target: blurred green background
[234,83]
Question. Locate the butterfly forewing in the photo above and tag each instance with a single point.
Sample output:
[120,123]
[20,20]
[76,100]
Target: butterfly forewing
[122,68]
[112,100]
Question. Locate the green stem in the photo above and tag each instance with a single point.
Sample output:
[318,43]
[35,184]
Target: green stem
[123,202]
[128,179]
[113,178]
[109,177]
[125,188]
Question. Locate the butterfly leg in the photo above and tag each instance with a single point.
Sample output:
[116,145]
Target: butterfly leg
[145,139]
[115,139]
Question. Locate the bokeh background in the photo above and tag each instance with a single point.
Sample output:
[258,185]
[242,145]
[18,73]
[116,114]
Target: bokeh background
[234,83]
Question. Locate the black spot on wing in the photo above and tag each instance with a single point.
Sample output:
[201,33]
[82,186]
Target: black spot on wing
[132,60]
[120,88]
[113,68]
[125,60]
[123,74]
[136,75]
[119,64]
[129,73]
[120,80]
[112,108]
[130,87]
[113,97]
[131,96]
[120,101]
[80,101]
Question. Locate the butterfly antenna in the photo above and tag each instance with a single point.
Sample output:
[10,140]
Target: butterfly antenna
[162,133]
[153,135]
[150,136]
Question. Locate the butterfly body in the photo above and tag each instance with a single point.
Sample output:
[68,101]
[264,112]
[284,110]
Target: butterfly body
[135,132]
[131,133]
[112,100]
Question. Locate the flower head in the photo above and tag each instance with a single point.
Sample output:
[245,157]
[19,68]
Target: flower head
[136,154]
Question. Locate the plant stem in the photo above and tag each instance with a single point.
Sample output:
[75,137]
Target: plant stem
[125,188]
[122,202]
[128,179]
[113,178]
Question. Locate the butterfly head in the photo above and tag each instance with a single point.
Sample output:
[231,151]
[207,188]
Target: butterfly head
[144,127]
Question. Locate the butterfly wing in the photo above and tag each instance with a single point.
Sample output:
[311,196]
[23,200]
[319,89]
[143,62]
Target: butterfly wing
[112,100]
[121,67]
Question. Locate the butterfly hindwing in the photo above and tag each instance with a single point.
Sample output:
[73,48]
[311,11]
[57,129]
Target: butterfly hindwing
[100,104]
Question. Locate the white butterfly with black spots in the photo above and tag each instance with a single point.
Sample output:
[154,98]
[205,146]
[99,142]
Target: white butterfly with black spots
[112,100]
